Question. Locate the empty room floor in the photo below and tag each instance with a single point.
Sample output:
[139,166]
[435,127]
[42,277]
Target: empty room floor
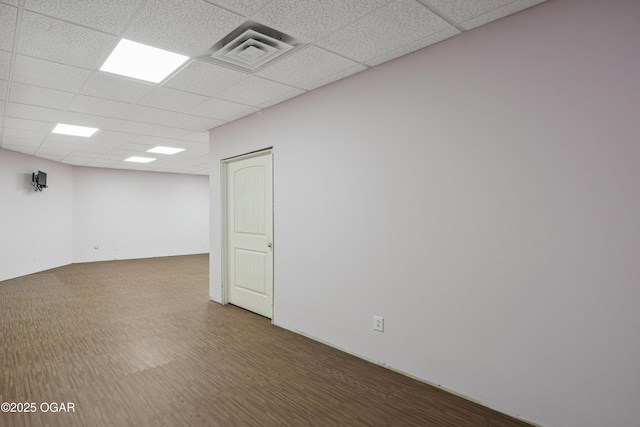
[139,343]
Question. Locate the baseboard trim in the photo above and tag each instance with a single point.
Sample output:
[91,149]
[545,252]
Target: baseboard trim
[384,365]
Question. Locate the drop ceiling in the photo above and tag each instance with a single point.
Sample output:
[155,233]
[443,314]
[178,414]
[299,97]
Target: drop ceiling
[51,52]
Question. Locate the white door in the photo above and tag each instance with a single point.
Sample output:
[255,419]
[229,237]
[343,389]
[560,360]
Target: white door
[250,234]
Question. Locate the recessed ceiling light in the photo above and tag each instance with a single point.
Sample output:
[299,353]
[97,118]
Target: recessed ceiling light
[165,150]
[139,159]
[142,62]
[74,130]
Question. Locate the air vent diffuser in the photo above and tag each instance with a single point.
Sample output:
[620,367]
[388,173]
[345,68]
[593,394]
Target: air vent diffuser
[251,47]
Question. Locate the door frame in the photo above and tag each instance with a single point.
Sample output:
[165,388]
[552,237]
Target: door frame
[224,291]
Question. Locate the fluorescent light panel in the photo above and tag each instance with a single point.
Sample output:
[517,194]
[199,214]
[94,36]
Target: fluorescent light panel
[142,62]
[165,150]
[84,131]
[139,159]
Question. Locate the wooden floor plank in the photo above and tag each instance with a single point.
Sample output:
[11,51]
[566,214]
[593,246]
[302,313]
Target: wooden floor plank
[138,343]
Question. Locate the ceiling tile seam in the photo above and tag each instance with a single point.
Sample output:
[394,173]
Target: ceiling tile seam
[343,56]
[93,71]
[12,67]
[211,117]
[66,21]
[39,87]
[53,62]
[257,77]
[444,16]
[497,9]
[415,41]
[257,11]
[108,52]
[227,9]
[349,23]
[172,75]
[133,17]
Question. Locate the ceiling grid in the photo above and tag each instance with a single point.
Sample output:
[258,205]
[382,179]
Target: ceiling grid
[51,54]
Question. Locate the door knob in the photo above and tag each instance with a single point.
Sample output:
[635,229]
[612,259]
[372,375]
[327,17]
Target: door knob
[269,244]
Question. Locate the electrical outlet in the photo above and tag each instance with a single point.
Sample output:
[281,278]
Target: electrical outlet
[378,323]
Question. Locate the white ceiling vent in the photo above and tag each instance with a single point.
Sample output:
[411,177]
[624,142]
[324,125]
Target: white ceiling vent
[251,47]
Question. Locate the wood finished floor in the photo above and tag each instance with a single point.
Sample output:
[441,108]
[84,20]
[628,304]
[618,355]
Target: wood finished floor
[138,343]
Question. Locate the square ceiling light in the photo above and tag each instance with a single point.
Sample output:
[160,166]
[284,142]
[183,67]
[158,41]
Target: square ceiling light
[73,130]
[165,150]
[135,159]
[142,62]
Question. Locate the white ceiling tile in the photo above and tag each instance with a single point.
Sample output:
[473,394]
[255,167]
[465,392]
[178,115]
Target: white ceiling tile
[108,86]
[135,115]
[186,27]
[101,163]
[81,119]
[255,91]
[312,20]
[136,147]
[5,65]
[388,28]
[93,148]
[39,96]
[26,149]
[128,126]
[168,131]
[194,123]
[282,98]
[106,123]
[124,153]
[242,114]
[335,77]
[99,106]
[154,116]
[56,157]
[33,113]
[60,140]
[59,41]
[463,10]
[245,7]
[27,142]
[172,99]
[79,158]
[205,78]
[38,72]
[109,136]
[114,156]
[8,19]
[412,47]
[202,137]
[219,109]
[30,135]
[192,148]
[119,110]
[498,13]
[109,16]
[155,141]
[306,66]
[17,123]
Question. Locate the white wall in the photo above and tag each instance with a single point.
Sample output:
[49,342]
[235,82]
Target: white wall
[132,214]
[35,227]
[482,195]
[142,214]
